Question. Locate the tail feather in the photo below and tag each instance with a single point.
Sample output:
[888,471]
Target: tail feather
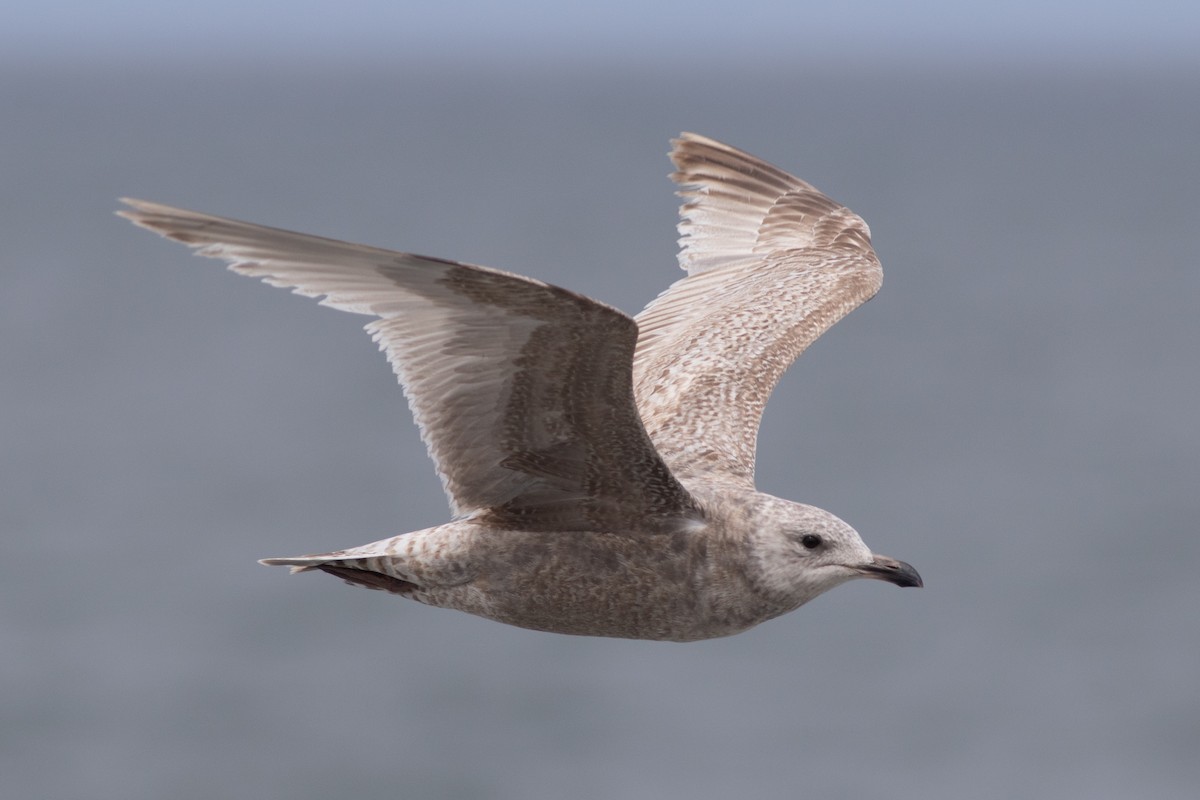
[368,579]
[354,571]
[297,564]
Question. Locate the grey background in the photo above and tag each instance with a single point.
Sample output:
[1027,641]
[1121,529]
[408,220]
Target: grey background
[1014,414]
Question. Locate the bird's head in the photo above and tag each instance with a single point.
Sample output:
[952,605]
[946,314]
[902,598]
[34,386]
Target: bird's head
[801,551]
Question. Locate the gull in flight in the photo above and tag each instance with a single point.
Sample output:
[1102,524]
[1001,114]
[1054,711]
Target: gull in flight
[599,468]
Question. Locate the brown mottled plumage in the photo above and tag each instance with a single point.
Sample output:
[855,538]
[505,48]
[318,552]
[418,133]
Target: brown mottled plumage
[600,470]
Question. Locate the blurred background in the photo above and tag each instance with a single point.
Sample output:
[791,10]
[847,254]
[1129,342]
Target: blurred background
[1015,413]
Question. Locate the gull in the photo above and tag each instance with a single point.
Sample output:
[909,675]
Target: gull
[599,468]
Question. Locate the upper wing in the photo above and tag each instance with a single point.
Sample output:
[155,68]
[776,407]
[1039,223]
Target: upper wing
[772,263]
[522,391]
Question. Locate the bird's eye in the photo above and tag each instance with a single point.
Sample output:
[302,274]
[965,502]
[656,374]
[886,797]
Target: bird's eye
[811,541]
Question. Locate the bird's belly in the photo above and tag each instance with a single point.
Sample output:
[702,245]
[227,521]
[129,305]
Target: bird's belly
[659,586]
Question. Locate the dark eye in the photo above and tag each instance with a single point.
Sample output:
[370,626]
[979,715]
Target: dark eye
[811,541]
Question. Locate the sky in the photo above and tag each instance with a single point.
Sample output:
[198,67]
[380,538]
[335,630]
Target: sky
[464,29]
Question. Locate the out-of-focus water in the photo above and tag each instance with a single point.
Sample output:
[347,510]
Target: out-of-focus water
[1015,414]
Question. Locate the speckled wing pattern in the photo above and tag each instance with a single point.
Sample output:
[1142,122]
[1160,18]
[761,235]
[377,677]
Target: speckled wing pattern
[772,263]
[522,391]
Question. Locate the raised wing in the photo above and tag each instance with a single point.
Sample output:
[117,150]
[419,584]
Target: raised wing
[772,263]
[521,390]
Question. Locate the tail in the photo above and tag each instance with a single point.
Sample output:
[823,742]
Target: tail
[354,570]
[298,563]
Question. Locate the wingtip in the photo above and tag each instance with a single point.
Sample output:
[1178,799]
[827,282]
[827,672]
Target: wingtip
[177,224]
[686,139]
[689,136]
[139,211]
[135,204]
[127,213]
[692,154]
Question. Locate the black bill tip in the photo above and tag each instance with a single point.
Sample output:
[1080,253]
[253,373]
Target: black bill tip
[893,571]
